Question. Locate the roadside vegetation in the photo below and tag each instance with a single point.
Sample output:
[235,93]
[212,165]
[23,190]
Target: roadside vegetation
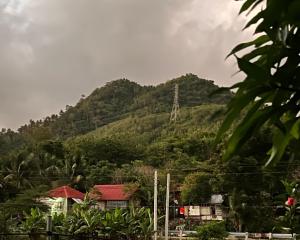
[86,221]
[121,133]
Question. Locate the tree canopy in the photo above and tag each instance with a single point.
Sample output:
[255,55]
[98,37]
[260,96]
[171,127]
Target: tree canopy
[270,93]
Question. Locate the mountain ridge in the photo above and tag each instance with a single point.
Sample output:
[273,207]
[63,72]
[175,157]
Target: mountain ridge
[114,101]
[119,98]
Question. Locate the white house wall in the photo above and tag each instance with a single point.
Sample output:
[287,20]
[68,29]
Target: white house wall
[203,212]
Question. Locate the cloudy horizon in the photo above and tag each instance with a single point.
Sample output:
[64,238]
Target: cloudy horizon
[52,51]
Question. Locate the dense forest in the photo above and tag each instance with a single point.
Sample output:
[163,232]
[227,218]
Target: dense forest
[122,132]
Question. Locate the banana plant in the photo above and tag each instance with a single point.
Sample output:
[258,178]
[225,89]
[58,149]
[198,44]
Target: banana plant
[146,225]
[124,224]
[114,225]
[34,222]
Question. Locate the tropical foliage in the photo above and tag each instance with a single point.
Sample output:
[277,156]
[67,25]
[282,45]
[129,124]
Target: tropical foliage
[136,139]
[196,188]
[133,224]
[116,100]
[270,92]
[212,230]
[290,221]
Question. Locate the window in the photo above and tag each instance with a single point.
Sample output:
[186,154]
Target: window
[116,204]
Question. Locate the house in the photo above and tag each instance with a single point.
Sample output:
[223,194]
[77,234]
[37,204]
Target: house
[113,196]
[206,212]
[61,199]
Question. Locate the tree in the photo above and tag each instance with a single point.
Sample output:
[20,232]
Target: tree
[139,176]
[270,93]
[196,188]
[248,193]
[18,174]
[212,230]
[250,190]
[100,173]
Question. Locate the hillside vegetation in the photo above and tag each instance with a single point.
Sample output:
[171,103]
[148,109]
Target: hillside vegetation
[157,126]
[101,138]
[112,102]
[122,132]
[120,98]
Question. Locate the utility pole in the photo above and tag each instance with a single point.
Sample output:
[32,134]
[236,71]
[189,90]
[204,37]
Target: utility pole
[167,208]
[49,227]
[155,205]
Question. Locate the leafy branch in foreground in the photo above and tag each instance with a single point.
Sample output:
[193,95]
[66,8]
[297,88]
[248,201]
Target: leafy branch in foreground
[270,93]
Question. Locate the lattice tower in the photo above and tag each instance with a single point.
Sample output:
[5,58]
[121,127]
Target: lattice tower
[175,108]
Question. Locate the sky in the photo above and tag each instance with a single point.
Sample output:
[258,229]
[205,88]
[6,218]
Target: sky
[53,51]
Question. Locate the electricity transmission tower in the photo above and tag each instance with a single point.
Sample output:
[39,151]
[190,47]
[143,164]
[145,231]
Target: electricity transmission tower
[175,108]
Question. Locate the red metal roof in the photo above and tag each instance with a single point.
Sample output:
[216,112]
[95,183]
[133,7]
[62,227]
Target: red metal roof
[66,192]
[112,192]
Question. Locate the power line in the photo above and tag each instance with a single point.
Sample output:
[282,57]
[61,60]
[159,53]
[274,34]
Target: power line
[37,176]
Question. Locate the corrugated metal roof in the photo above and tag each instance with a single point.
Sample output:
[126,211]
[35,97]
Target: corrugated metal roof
[112,192]
[65,192]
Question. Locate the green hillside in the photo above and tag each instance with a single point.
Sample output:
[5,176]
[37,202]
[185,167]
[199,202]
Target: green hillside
[116,100]
[121,98]
[152,139]
[157,126]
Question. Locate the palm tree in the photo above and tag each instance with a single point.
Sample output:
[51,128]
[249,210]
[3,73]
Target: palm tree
[18,171]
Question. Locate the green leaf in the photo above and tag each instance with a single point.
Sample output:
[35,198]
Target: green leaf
[257,52]
[235,107]
[255,19]
[262,27]
[253,70]
[240,47]
[247,5]
[254,6]
[251,123]
[280,142]
[293,11]
[295,130]
[257,42]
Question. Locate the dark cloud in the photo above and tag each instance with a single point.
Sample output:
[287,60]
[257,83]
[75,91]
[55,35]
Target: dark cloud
[52,51]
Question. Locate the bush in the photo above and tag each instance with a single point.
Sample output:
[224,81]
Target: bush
[34,222]
[86,221]
[212,230]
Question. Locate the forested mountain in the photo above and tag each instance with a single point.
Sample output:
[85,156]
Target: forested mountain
[114,101]
[120,98]
[153,139]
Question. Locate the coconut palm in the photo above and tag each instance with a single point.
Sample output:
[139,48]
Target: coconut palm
[18,171]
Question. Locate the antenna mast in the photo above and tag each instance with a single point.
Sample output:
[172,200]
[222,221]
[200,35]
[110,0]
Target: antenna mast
[175,108]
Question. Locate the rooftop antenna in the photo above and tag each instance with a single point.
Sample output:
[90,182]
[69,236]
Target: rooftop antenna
[175,108]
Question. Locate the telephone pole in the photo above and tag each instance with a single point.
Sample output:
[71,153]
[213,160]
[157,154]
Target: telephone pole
[167,208]
[49,227]
[175,108]
[155,205]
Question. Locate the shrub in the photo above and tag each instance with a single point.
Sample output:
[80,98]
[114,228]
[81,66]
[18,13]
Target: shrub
[34,222]
[212,230]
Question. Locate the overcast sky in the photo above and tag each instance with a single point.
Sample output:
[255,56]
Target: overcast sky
[52,51]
